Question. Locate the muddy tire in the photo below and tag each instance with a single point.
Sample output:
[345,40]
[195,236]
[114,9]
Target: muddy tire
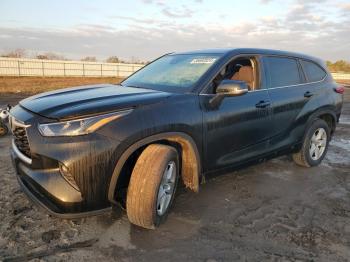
[315,145]
[3,129]
[152,186]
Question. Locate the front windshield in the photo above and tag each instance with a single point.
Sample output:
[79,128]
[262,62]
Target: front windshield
[177,73]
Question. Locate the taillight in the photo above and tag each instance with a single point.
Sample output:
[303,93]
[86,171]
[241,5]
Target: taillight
[339,90]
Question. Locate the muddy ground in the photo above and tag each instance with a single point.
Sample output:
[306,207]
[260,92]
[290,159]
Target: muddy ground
[274,211]
[34,84]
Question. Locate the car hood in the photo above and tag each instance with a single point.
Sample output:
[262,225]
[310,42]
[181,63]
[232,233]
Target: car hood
[89,100]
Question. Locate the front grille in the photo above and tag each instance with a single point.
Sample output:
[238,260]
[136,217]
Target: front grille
[20,137]
[21,140]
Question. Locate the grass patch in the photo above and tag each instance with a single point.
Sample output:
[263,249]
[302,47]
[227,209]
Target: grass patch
[344,82]
[34,85]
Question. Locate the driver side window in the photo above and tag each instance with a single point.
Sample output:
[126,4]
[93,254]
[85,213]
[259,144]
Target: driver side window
[240,69]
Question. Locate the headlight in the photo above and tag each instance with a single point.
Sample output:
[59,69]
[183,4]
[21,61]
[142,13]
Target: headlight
[81,126]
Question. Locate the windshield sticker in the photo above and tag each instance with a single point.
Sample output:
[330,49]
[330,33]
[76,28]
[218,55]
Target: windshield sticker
[203,61]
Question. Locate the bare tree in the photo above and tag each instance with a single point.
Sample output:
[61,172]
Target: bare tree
[50,56]
[41,57]
[89,59]
[17,53]
[339,66]
[113,59]
[135,60]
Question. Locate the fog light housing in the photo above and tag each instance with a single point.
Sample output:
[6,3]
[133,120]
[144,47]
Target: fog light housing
[68,176]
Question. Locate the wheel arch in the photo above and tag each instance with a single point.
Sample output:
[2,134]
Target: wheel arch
[326,114]
[190,159]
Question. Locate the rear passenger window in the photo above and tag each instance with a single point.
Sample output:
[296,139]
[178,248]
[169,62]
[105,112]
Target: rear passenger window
[313,71]
[283,71]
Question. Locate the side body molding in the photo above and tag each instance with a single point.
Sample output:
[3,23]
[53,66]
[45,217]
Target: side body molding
[191,163]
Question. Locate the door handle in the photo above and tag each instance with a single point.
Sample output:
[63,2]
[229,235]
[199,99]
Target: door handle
[262,104]
[308,94]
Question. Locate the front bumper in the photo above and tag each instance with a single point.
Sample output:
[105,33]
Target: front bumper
[48,189]
[89,162]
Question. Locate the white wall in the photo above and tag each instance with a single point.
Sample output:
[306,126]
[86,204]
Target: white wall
[341,76]
[37,67]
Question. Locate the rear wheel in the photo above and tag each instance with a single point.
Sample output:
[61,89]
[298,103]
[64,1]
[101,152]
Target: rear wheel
[315,145]
[152,186]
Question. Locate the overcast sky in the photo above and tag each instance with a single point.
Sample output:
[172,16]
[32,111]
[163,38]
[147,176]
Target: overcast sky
[148,28]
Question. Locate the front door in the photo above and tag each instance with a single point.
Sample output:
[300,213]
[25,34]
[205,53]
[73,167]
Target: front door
[238,129]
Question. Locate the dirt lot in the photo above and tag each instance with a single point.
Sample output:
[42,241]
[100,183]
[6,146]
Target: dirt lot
[274,211]
[33,85]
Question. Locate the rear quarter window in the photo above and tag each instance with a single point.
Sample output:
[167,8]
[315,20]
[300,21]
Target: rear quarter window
[313,71]
[283,71]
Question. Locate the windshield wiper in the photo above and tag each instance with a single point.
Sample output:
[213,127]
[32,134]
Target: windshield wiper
[138,87]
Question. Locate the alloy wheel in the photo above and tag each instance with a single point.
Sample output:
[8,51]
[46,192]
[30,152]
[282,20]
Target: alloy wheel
[318,143]
[166,188]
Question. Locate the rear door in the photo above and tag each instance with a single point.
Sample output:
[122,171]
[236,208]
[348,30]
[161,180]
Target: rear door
[315,75]
[289,94]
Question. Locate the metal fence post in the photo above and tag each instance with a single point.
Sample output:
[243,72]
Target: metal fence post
[64,69]
[19,68]
[83,69]
[42,68]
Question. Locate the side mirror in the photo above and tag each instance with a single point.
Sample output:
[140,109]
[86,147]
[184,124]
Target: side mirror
[228,88]
[232,88]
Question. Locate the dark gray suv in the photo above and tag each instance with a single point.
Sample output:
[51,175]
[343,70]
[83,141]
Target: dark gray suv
[79,151]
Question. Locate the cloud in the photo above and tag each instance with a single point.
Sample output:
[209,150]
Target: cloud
[311,1]
[345,7]
[303,13]
[304,2]
[150,41]
[157,2]
[177,13]
[136,20]
[302,28]
[172,11]
[163,2]
[265,1]
[5,36]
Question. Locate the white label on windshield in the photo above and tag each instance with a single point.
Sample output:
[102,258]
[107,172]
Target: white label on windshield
[203,61]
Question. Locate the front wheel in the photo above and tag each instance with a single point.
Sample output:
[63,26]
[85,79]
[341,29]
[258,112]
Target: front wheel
[152,186]
[315,145]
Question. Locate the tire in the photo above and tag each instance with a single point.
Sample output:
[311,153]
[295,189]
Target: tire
[148,182]
[307,157]
[3,129]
